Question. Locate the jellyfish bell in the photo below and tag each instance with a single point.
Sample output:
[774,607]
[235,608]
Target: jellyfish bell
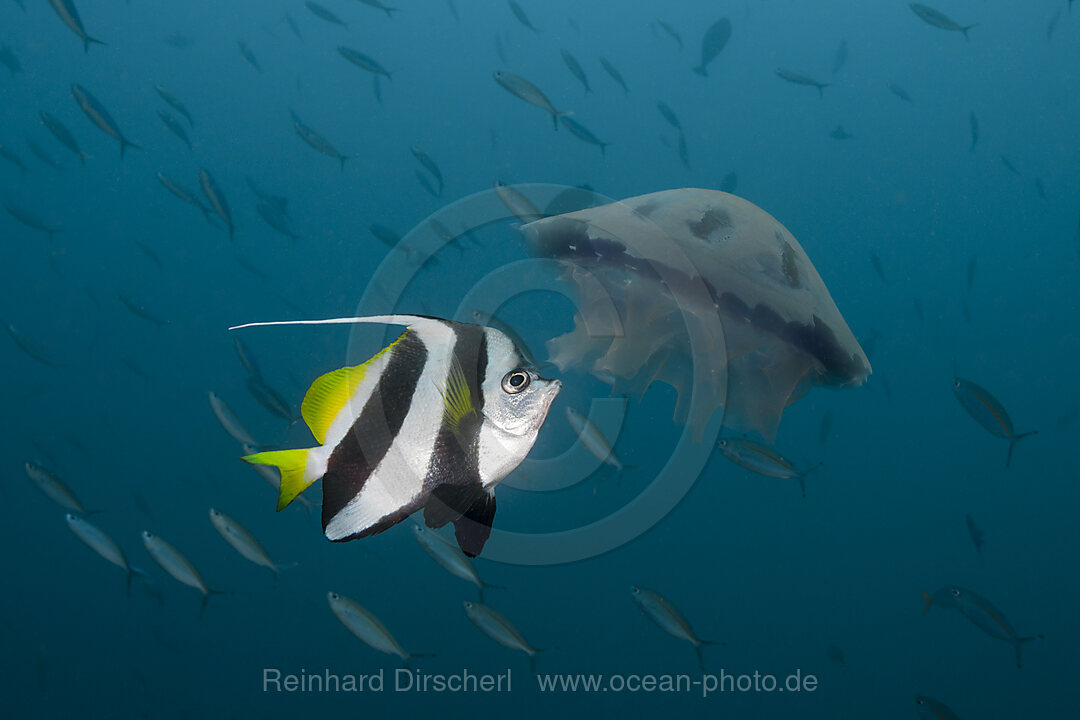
[703,291]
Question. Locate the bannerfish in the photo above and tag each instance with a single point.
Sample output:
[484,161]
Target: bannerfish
[931,709]
[594,439]
[576,70]
[216,198]
[522,208]
[449,557]
[519,13]
[179,567]
[715,40]
[61,133]
[174,102]
[800,79]
[528,92]
[175,127]
[614,73]
[69,15]
[763,460]
[365,626]
[988,412]
[668,618]
[495,625]
[939,19]
[364,62]
[584,134]
[95,539]
[978,610]
[100,116]
[433,421]
[242,541]
[230,422]
[55,489]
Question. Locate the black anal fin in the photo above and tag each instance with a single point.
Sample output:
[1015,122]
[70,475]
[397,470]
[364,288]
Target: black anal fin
[473,528]
[449,502]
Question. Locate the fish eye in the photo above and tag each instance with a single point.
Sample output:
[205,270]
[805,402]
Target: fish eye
[333,596]
[956,592]
[515,381]
[468,604]
[635,590]
[147,534]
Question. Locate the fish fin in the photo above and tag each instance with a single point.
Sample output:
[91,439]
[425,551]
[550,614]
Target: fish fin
[473,528]
[927,600]
[293,465]
[449,502]
[206,597]
[88,41]
[132,573]
[457,397]
[125,143]
[1020,643]
[329,394]
[1012,444]
[965,30]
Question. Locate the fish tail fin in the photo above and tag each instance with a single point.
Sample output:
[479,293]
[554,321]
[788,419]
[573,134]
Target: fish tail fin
[603,149]
[965,30]
[927,601]
[88,41]
[276,570]
[125,144]
[821,89]
[293,465]
[1012,444]
[700,70]
[206,597]
[1020,644]
[390,11]
[487,586]
[133,573]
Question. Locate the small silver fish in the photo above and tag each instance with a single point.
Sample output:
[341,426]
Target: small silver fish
[365,626]
[242,541]
[988,412]
[69,15]
[593,439]
[364,62]
[447,554]
[55,489]
[800,79]
[61,133]
[528,92]
[583,133]
[517,203]
[174,102]
[762,460]
[668,618]
[216,198]
[230,422]
[931,709]
[179,567]
[576,70]
[100,116]
[980,611]
[103,545]
[495,625]
[614,73]
[939,20]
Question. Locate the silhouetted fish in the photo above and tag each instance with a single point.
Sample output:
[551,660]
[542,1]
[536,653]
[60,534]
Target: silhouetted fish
[938,19]
[668,114]
[69,14]
[61,133]
[324,14]
[248,55]
[379,6]
[715,40]
[175,127]
[100,116]
[528,92]
[840,58]
[361,60]
[583,133]
[9,155]
[666,27]
[900,92]
[519,13]
[614,73]
[9,60]
[800,79]
[29,218]
[975,533]
[576,70]
[974,123]
[1009,166]
[40,153]
[174,102]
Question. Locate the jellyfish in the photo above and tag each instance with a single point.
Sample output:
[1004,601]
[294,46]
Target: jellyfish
[706,292]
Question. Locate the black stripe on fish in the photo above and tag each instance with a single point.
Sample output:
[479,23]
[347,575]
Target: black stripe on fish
[372,434]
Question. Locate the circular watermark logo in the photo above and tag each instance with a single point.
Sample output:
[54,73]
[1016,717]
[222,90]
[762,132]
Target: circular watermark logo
[670,283]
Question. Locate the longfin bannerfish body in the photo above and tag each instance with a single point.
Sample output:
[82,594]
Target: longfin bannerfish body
[433,421]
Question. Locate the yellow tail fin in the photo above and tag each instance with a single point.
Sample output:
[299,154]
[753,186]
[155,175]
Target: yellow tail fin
[292,464]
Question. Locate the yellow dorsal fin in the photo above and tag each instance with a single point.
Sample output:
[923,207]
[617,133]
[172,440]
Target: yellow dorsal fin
[457,398]
[329,393]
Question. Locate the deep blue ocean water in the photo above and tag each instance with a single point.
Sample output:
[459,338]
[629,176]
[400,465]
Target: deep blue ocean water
[123,416]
